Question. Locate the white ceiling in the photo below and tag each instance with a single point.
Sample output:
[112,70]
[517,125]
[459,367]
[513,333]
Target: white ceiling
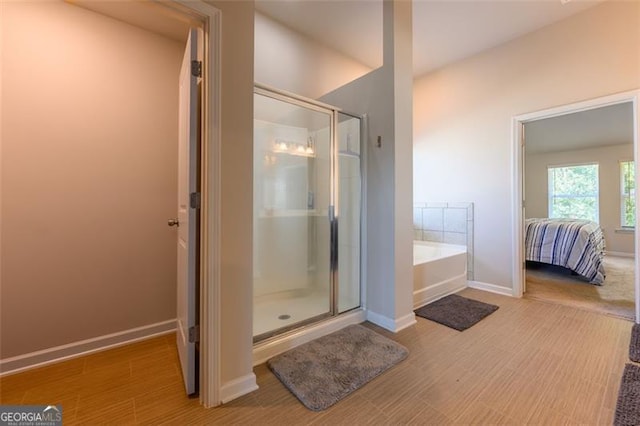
[157,17]
[443,31]
[611,125]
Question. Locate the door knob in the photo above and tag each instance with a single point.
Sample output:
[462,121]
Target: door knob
[173,222]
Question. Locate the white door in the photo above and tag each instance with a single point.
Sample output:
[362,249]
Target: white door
[188,212]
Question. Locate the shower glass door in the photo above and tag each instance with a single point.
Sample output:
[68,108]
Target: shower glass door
[293,183]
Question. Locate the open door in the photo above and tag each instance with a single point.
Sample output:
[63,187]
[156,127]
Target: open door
[188,213]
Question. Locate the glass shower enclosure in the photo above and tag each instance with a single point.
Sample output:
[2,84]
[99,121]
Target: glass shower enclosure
[306,216]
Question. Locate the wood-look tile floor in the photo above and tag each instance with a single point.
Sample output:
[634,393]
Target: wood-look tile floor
[530,362]
[615,296]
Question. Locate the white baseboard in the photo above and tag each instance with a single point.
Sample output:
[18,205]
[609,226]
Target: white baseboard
[270,348]
[48,356]
[619,254]
[391,324]
[437,291]
[405,322]
[492,288]
[238,387]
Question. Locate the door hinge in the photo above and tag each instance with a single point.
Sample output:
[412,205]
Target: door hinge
[194,334]
[194,200]
[196,68]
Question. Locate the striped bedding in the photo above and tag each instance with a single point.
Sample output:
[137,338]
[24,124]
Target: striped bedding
[571,243]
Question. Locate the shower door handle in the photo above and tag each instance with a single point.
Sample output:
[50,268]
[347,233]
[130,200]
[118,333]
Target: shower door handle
[333,259]
[333,229]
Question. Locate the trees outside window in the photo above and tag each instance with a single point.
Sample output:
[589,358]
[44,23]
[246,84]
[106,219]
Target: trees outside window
[627,194]
[573,192]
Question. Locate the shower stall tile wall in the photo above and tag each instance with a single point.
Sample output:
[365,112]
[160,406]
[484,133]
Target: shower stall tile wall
[443,222]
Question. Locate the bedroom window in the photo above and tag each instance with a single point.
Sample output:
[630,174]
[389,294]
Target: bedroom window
[573,192]
[627,194]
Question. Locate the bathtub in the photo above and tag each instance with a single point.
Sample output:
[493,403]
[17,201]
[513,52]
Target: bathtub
[438,269]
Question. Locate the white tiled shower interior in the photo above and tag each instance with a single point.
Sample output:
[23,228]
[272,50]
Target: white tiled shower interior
[450,223]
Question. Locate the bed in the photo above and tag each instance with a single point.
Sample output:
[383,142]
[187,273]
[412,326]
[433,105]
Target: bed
[571,243]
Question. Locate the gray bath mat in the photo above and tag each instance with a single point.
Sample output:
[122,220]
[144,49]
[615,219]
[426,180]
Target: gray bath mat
[456,311]
[628,406]
[634,345]
[322,372]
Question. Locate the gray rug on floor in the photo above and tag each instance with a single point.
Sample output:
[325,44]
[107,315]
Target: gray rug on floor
[322,372]
[456,311]
[628,406]
[634,345]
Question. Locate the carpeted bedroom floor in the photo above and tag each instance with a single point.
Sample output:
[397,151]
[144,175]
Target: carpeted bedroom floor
[615,297]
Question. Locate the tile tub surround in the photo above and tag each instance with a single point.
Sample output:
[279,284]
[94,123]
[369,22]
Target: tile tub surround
[442,222]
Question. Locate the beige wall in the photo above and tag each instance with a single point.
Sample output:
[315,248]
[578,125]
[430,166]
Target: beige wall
[89,158]
[287,60]
[462,114]
[237,201]
[608,159]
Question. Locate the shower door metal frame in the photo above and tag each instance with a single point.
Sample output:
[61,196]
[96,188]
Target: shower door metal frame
[333,213]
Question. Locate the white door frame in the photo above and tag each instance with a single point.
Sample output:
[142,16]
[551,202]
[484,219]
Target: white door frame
[517,126]
[211,204]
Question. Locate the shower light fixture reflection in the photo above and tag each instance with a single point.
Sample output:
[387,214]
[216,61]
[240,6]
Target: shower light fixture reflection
[294,148]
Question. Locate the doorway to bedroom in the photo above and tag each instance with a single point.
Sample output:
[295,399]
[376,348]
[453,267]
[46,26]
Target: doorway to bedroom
[579,212]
